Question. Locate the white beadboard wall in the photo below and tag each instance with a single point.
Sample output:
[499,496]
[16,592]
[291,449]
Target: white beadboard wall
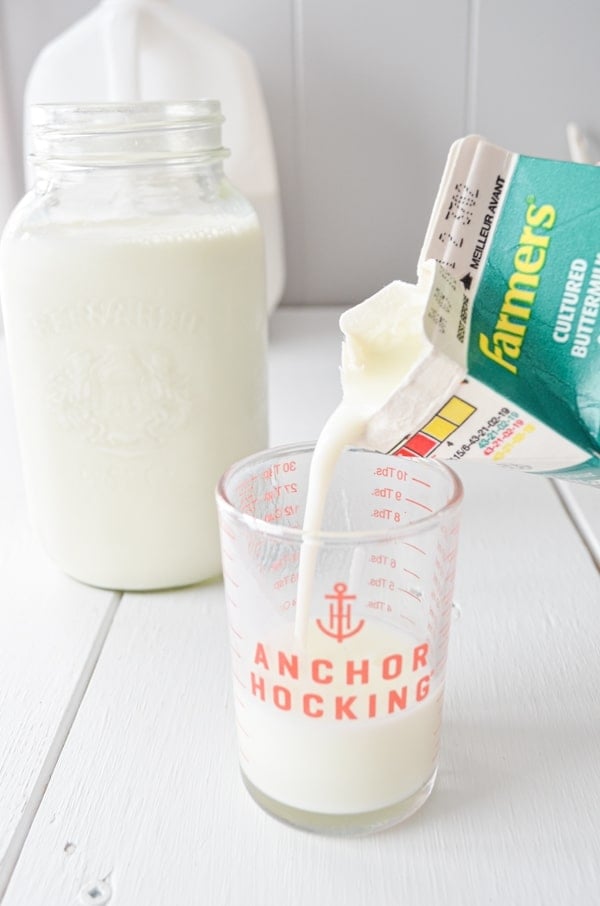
[365,99]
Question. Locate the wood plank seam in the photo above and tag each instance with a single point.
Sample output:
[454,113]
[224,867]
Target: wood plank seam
[579,521]
[471,81]
[15,847]
[299,127]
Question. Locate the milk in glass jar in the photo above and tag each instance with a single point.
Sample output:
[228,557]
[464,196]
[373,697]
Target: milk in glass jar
[132,288]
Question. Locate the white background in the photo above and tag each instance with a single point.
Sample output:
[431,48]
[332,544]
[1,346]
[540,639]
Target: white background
[365,98]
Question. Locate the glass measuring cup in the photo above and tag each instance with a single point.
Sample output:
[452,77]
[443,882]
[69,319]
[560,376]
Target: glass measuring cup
[339,725]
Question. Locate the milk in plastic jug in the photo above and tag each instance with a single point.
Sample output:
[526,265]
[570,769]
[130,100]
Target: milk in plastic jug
[126,50]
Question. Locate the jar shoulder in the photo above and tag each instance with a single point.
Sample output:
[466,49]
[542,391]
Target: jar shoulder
[124,205]
[24,212]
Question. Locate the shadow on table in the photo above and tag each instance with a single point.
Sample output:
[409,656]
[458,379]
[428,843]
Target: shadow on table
[481,763]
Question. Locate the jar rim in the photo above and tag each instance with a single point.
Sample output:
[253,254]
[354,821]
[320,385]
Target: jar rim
[138,133]
[100,116]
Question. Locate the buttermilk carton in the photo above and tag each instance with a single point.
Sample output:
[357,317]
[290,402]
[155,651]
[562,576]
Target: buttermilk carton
[509,278]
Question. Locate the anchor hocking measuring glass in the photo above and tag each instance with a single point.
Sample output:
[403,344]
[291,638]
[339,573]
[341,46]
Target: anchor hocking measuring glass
[339,721]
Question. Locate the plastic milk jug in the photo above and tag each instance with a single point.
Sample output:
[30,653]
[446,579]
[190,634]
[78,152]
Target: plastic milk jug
[127,50]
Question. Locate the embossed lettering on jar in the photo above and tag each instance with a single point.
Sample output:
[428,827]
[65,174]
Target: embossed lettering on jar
[132,286]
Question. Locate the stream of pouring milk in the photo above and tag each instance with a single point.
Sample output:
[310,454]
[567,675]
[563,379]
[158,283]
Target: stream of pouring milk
[391,377]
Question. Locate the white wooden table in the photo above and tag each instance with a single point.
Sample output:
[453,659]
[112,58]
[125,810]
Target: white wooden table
[118,771]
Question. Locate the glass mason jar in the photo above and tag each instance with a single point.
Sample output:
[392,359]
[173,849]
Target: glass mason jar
[132,286]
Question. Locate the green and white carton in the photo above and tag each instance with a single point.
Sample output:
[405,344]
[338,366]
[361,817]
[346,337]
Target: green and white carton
[516,242]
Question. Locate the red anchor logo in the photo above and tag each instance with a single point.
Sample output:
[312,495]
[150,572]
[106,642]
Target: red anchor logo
[340,615]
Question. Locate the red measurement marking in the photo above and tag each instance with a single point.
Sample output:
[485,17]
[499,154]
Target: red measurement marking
[243,729]
[233,582]
[238,680]
[235,632]
[411,594]
[228,532]
[228,555]
[240,701]
[243,754]
[414,547]
[418,503]
[420,481]
[408,620]
[235,651]
[232,602]
[410,572]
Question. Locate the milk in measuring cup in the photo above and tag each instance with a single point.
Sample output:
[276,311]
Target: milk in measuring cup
[318,742]
[339,725]
[361,748]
